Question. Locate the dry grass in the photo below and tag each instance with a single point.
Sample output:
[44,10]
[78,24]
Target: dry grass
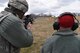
[78,30]
[42,29]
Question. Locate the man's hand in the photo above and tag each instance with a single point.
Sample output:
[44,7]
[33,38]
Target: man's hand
[29,26]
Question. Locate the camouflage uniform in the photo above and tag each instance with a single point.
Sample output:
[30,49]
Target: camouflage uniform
[6,47]
[13,35]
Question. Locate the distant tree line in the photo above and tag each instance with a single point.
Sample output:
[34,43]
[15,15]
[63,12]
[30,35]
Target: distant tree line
[40,15]
[76,14]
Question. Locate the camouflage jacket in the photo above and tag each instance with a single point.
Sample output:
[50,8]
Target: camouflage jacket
[13,35]
[7,47]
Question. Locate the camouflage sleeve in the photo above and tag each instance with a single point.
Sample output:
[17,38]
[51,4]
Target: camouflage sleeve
[12,29]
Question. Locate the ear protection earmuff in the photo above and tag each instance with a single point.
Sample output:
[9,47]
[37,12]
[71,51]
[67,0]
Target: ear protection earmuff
[56,24]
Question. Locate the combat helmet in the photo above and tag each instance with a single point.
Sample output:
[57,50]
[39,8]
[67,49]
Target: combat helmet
[19,4]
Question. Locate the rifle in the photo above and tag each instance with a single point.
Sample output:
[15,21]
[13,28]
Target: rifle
[28,19]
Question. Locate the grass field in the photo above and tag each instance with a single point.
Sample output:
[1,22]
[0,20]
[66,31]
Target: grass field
[42,29]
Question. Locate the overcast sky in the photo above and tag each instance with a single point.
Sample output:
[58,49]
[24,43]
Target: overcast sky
[54,7]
